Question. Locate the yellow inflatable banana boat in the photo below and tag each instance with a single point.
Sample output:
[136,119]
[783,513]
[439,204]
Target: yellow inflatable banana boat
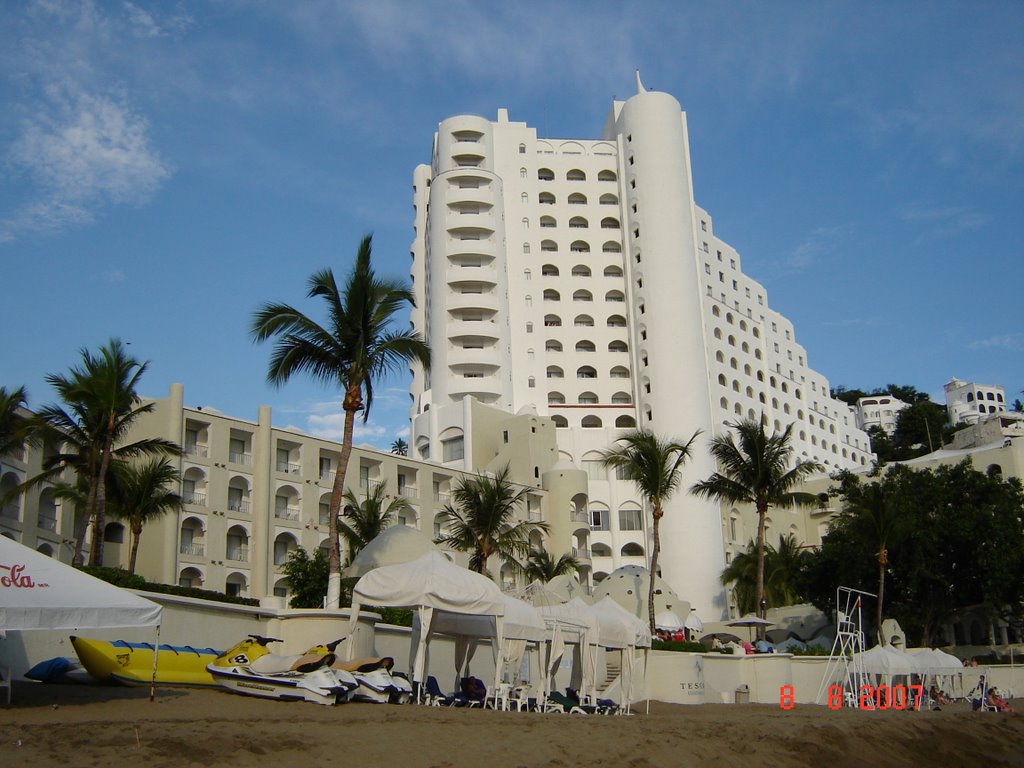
[132,663]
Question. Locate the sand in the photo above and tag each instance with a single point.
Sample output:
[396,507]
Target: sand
[94,727]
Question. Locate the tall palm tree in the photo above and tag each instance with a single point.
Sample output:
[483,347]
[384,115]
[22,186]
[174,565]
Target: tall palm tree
[400,447]
[357,346]
[142,493]
[481,520]
[877,509]
[363,520]
[542,566]
[754,469]
[102,405]
[655,465]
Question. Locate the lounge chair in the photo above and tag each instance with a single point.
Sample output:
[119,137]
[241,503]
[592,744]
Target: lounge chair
[473,693]
[433,696]
[563,704]
[600,706]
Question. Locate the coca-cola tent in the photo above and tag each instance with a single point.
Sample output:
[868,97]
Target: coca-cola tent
[38,592]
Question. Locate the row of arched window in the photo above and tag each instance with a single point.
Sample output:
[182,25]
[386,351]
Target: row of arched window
[577,222]
[579,270]
[589,398]
[546,174]
[553,345]
[593,422]
[550,294]
[576,198]
[577,246]
[588,372]
[584,321]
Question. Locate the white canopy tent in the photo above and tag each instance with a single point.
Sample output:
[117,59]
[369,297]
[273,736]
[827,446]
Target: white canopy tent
[39,592]
[434,587]
[620,629]
[398,544]
[522,625]
[572,623]
[941,666]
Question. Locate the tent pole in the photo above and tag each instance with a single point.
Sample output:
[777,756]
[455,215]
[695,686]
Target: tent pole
[647,693]
[156,655]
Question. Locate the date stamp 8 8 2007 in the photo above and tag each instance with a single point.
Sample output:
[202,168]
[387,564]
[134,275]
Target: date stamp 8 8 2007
[882,697]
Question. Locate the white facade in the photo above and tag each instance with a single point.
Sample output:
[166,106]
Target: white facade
[879,411]
[579,279]
[968,402]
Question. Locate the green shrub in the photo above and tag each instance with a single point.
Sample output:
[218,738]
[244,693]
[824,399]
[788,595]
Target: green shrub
[672,645]
[121,578]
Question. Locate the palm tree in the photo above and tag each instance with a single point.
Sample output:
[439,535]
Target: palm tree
[400,447]
[481,520]
[356,347]
[755,470]
[102,405]
[541,566]
[15,430]
[741,573]
[363,521]
[783,569]
[655,466]
[142,493]
[877,509]
[13,427]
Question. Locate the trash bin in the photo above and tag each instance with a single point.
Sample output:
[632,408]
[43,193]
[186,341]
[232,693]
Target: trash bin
[743,694]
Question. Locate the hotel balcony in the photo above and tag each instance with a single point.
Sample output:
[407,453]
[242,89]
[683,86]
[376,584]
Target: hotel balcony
[238,555]
[195,498]
[193,550]
[480,386]
[245,459]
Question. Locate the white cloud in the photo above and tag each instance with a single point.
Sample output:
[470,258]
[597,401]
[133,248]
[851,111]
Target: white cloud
[145,23]
[945,221]
[81,152]
[113,276]
[1009,341]
[819,244]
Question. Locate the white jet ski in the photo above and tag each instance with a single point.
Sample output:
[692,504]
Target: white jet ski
[251,669]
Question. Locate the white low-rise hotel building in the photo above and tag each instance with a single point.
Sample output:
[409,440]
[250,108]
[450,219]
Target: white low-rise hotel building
[578,279]
[968,402]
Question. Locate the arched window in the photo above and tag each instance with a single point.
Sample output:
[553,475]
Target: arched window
[577,198]
[611,246]
[575,175]
[581,270]
[627,422]
[607,176]
[548,221]
[560,422]
[609,222]
[608,199]
[545,174]
[582,295]
[578,222]
[546,198]
[585,346]
[590,422]
[549,270]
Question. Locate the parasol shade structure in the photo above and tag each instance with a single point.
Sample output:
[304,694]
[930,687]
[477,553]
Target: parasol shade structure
[750,621]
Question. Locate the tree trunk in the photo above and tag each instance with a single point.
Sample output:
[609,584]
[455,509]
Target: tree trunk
[353,402]
[136,535]
[83,527]
[883,560]
[656,516]
[101,500]
[762,511]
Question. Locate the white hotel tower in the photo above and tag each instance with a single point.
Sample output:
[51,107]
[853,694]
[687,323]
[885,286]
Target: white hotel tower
[578,279]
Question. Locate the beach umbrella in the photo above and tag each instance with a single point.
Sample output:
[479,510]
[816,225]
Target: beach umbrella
[750,621]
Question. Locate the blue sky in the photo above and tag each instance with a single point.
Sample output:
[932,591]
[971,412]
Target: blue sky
[166,167]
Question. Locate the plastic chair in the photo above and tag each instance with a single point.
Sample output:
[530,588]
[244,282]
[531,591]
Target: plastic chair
[435,697]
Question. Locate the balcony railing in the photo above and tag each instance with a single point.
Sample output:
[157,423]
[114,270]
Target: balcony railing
[535,516]
[194,497]
[194,449]
[290,467]
[286,514]
[194,550]
[328,476]
[240,458]
[369,485]
[580,517]
[238,555]
[48,523]
[239,506]
[600,525]
[11,511]
[442,498]
[409,491]
[583,555]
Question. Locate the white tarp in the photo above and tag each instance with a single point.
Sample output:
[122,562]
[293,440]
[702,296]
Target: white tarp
[398,544]
[618,628]
[433,586]
[39,592]
[886,660]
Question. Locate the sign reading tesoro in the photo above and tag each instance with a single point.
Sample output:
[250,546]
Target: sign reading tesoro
[14,577]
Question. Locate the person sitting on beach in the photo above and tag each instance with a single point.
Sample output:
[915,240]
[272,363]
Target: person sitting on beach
[939,697]
[996,702]
[763,646]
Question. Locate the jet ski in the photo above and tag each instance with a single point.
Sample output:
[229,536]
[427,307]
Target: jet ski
[250,668]
[378,683]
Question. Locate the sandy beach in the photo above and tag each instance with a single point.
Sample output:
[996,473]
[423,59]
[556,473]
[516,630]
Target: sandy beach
[108,726]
